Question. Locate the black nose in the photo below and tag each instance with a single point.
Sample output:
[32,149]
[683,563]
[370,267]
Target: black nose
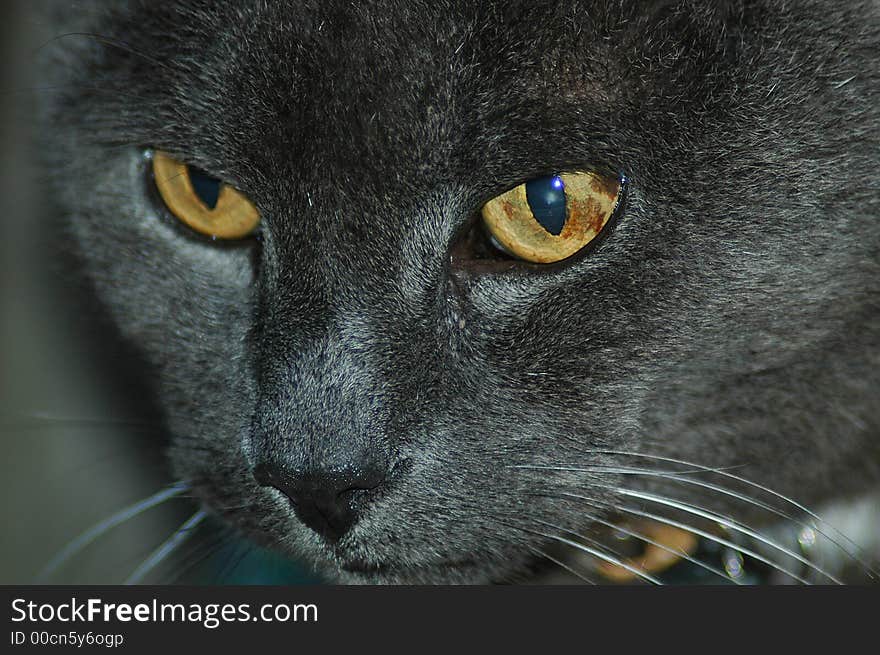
[328,501]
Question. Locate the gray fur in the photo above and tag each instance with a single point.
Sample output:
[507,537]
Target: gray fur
[731,319]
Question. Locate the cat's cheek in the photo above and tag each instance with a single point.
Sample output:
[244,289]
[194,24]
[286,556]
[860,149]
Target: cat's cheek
[184,303]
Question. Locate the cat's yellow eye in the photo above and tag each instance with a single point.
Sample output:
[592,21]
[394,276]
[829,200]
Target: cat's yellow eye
[201,202]
[551,218]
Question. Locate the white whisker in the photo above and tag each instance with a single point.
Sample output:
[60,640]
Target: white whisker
[727,523]
[89,536]
[765,489]
[674,476]
[711,537]
[688,528]
[599,468]
[166,548]
[673,551]
[751,501]
[561,564]
[596,553]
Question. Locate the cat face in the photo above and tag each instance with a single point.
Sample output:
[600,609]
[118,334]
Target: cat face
[367,381]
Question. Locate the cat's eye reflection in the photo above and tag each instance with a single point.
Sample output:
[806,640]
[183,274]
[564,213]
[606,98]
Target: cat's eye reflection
[202,202]
[551,218]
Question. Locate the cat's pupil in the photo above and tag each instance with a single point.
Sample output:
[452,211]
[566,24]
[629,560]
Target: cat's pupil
[546,196]
[207,188]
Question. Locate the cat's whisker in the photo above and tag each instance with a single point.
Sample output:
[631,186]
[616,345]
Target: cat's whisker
[166,548]
[851,551]
[674,476]
[646,539]
[754,502]
[704,485]
[617,508]
[599,468]
[561,564]
[855,554]
[86,538]
[596,551]
[699,532]
[725,522]
[637,535]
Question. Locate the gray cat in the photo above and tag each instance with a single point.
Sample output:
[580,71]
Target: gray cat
[438,292]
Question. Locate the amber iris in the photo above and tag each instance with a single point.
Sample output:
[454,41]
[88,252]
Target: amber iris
[201,202]
[551,218]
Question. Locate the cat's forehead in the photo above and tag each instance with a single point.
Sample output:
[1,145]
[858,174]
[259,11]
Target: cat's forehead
[280,90]
[385,74]
[424,83]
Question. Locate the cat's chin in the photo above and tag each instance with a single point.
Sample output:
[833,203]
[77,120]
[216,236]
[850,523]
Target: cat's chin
[526,570]
[454,573]
[461,571]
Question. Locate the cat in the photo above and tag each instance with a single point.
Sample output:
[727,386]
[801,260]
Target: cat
[374,380]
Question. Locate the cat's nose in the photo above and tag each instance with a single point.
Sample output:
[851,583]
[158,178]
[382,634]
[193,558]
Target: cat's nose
[328,501]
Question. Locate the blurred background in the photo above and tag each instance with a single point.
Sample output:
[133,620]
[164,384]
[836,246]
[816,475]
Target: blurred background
[76,444]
